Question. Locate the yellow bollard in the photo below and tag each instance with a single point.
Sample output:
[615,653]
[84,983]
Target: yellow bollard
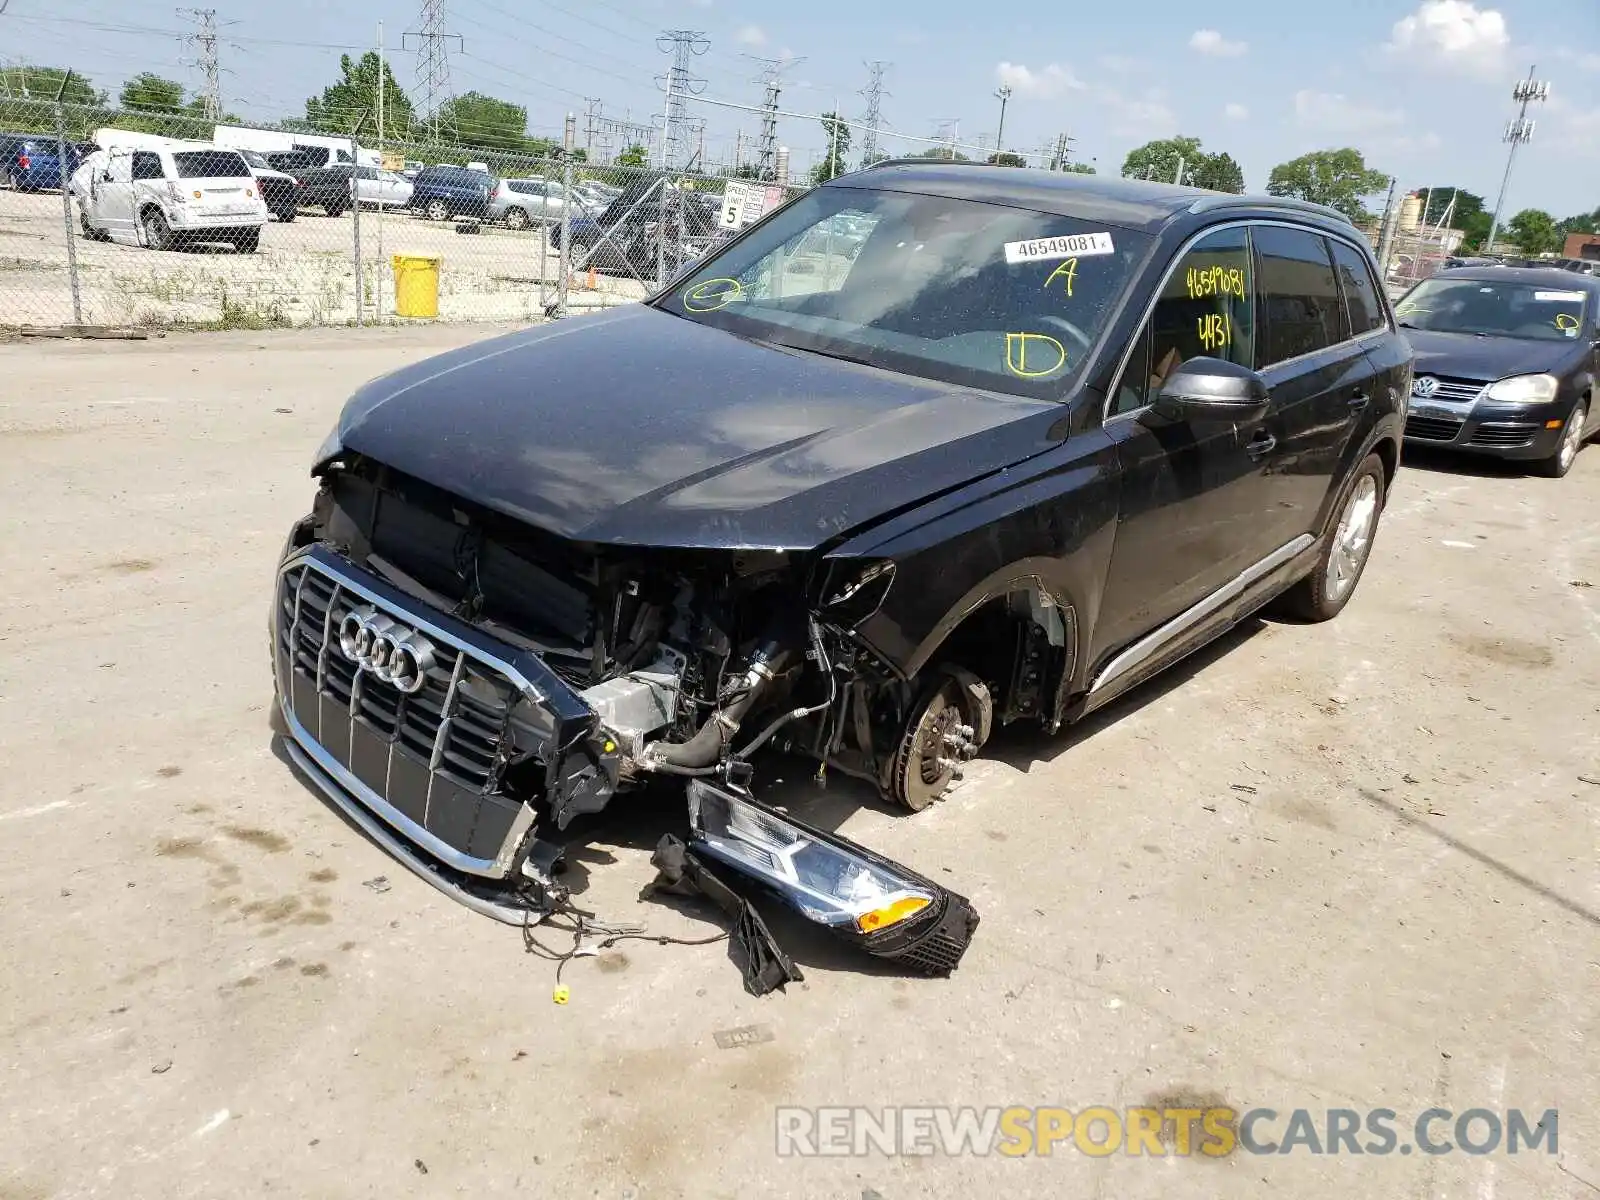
[416,285]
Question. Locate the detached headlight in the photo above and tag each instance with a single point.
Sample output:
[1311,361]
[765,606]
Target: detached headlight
[883,907]
[331,445]
[1524,389]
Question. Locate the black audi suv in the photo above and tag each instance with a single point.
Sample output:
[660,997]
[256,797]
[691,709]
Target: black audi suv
[1506,361]
[1026,440]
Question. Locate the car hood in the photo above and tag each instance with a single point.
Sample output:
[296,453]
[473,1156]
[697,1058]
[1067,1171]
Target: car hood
[636,427]
[1485,359]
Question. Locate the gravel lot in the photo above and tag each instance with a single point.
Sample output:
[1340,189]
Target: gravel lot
[1344,866]
[303,274]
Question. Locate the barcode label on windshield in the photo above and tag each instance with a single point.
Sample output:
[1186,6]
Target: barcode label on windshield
[1558,295]
[1076,245]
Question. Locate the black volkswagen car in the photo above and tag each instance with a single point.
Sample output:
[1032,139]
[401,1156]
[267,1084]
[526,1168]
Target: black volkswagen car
[1506,361]
[1022,443]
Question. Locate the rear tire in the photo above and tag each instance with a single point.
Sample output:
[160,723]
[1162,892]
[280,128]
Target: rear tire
[1559,463]
[578,256]
[1322,595]
[247,243]
[516,218]
[437,210]
[334,209]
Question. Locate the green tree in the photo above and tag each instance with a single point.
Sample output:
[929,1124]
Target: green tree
[1219,173]
[942,152]
[1159,159]
[1339,179]
[837,153]
[150,93]
[1534,231]
[1078,168]
[1582,223]
[1465,212]
[41,83]
[354,98]
[634,156]
[877,156]
[1006,159]
[747,171]
[479,120]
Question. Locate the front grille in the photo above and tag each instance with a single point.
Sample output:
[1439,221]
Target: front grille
[1455,389]
[1504,433]
[432,756]
[1433,429]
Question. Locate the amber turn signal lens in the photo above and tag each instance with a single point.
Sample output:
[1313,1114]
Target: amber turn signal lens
[1552,424]
[889,914]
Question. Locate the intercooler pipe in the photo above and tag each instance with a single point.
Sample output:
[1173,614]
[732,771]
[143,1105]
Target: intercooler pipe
[706,746]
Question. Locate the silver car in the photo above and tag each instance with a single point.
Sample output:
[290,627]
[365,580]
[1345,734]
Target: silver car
[521,202]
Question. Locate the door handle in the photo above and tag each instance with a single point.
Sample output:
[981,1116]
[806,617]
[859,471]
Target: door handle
[1358,399]
[1261,445]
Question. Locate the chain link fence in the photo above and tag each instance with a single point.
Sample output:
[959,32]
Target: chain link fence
[121,218]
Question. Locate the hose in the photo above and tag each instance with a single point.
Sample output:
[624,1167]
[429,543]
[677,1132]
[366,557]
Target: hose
[766,734]
[706,747]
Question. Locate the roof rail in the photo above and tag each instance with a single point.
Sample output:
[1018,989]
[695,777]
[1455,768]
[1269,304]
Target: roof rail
[923,161]
[1227,200]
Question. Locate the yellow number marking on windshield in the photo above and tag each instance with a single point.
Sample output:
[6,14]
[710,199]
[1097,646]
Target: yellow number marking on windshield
[701,299]
[1214,330]
[1017,354]
[1208,281]
[1566,322]
[1067,270]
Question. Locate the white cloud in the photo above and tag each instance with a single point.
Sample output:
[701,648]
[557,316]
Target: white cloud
[1334,112]
[1453,33]
[1141,116]
[1209,41]
[1045,83]
[1236,112]
[751,35]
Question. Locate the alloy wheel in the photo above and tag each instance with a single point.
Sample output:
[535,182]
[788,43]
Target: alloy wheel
[1572,438]
[1352,540]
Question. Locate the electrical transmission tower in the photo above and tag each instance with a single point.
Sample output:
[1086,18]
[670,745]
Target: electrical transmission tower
[433,59]
[204,40]
[771,81]
[874,95]
[684,45]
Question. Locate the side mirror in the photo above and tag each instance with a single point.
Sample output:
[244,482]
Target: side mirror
[105,176]
[1214,390]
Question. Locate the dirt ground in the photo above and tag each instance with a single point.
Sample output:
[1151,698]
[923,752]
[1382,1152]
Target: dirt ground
[303,274]
[1346,866]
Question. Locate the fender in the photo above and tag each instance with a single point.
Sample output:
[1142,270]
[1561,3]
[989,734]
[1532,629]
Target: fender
[1045,525]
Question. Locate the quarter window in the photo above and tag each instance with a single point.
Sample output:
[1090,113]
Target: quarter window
[1206,309]
[1360,293]
[1301,309]
[147,165]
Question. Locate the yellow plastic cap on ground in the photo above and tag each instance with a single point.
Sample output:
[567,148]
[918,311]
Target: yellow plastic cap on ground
[416,285]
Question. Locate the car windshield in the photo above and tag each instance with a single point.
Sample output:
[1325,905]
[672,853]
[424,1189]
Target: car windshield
[210,164]
[978,294]
[1494,308]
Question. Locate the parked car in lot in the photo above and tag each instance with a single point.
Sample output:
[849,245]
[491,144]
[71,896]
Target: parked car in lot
[279,189]
[174,199]
[332,187]
[30,162]
[443,192]
[1506,362]
[1042,436]
[523,202]
[649,225]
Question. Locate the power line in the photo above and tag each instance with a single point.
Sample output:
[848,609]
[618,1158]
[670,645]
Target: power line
[210,70]
[679,84]
[433,59]
[874,94]
[771,80]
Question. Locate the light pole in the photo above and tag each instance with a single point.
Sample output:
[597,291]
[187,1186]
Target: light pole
[1517,132]
[1002,94]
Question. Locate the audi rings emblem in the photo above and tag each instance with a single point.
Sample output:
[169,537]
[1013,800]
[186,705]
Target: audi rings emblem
[1425,386]
[393,653]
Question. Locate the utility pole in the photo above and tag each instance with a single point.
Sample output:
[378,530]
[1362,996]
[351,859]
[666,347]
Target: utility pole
[738,150]
[1386,231]
[678,84]
[1002,94]
[205,40]
[591,115]
[1178,175]
[1518,132]
[874,95]
[433,59]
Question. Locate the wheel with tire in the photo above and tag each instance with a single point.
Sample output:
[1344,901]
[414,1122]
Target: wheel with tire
[1322,595]
[1559,463]
[335,208]
[285,215]
[437,210]
[936,740]
[89,231]
[157,233]
[248,241]
[516,218]
[578,256]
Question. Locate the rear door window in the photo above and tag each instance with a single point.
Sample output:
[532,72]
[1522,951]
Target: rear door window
[210,164]
[1301,308]
[147,165]
[1360,291]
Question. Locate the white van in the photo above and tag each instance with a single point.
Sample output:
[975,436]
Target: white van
[172,198]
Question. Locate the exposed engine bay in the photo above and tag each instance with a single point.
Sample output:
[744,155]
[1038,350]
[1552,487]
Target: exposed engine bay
[673,665]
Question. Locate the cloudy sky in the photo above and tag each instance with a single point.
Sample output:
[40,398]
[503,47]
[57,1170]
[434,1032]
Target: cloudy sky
[1422,87]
